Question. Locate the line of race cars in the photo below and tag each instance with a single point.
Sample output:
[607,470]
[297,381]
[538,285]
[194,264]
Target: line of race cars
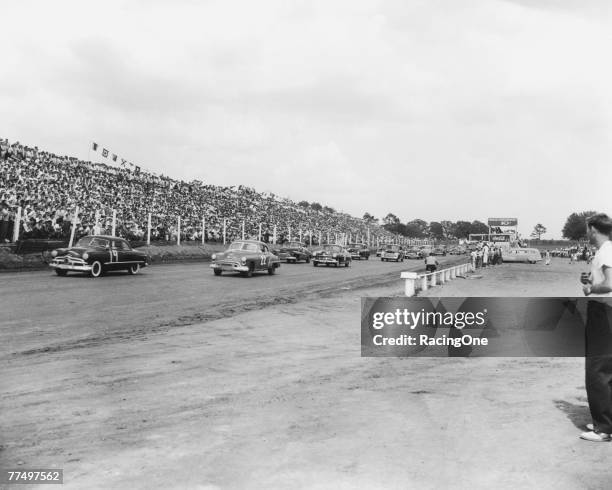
[97,254]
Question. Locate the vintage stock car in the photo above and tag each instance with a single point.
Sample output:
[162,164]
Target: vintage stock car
[413,253]
[293,252]
[246,257]
[359,251]
[335,255]
[393,252]
[97,254]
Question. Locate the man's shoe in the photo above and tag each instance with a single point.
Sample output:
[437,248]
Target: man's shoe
[595,436]
[590,427]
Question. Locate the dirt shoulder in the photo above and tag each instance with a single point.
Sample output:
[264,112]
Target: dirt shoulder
[280,398]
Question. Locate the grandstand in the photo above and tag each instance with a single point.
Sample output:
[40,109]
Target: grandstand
[43,191]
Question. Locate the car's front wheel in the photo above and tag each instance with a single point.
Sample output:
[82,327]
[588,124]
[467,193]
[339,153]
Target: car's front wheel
[96,269]
[217,272]
[134,269]
[271,270]
[61,272]
[307,259]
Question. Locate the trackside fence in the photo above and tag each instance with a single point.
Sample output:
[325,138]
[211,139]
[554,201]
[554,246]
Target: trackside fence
[415,281]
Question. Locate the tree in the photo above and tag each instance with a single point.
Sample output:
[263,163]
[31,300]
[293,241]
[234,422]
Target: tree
[316,206]
[478,227]
[448,227]
[575,225]
[327,209]
[391,219]
[368,218]
[461,229]
[303,204]
[538,231]
[417,228]
[436,230]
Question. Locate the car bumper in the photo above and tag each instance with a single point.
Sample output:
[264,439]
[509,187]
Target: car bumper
[71,267]
[230,267]
[392,257]
[325,260]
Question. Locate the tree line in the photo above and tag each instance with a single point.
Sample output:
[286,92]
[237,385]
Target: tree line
[418,228]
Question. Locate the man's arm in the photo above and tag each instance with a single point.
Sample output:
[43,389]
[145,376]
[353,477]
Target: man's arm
[603,287]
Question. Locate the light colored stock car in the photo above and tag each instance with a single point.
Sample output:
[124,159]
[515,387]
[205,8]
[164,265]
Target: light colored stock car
[530,255]
[245,257]
[393,252]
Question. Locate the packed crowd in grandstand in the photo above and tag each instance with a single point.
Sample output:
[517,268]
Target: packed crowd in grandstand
[48,188]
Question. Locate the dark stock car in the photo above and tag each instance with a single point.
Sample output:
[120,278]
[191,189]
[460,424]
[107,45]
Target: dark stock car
[97,254]
[331,254]
[246,257]
[359,251]
[293,252]
[393,252]
[413,253]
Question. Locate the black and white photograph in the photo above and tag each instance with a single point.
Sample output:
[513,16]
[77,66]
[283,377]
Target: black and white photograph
[306,244]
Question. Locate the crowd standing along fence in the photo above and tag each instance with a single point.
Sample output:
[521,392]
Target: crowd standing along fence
[219,230]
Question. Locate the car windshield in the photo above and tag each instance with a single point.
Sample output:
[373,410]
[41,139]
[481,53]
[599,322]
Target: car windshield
[331,248]
[393,248]
[295,244]
[249,247]
[93,242]
[83,242]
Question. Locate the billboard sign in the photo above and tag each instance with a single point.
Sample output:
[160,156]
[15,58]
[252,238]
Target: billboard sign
[503,221]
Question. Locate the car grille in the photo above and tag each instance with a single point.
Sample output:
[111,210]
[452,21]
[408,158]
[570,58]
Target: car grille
[70,261]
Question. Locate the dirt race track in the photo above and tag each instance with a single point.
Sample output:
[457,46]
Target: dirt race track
[179,379]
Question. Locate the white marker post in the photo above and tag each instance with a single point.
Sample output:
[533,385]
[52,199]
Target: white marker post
[72,231]
[274,236]
[203,230]
[149,229]
[114,225]
[224,230]
[17,225]
[289,229]
[259,234]
[320,238]
[178,230]
[243,229]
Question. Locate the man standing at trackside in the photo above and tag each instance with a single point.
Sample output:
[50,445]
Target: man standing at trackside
[598,361]
[431,264]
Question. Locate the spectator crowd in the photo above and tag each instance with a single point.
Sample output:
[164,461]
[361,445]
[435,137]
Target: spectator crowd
[49,188]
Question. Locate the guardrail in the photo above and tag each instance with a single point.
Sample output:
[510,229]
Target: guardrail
[422,281]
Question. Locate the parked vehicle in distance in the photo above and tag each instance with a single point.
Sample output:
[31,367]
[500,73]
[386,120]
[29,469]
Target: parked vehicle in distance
[245,257]
[458,250]
[440,251]
[379,251]
[359,251]
[335,255]
[529,255]
[97,254]
[293,252]
[393,252]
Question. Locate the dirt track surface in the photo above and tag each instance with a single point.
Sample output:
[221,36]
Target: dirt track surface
[271,397]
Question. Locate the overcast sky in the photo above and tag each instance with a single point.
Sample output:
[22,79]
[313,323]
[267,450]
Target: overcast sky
[428,109]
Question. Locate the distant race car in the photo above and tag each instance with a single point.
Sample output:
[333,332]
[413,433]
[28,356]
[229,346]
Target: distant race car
[413,253]
[335,255]
[393,252]
[246,257]
[293,252]
[97,254]
[359,251]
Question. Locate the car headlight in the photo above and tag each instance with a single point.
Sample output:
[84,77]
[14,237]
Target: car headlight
[243,260]
[214,256]
[85,256]
[54,253]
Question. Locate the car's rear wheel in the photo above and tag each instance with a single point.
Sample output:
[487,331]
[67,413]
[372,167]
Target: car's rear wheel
[61,272]
[96,269]
[271,270]
[307,259]
[217,272]
[314,263]
[347,263]
[134,269]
